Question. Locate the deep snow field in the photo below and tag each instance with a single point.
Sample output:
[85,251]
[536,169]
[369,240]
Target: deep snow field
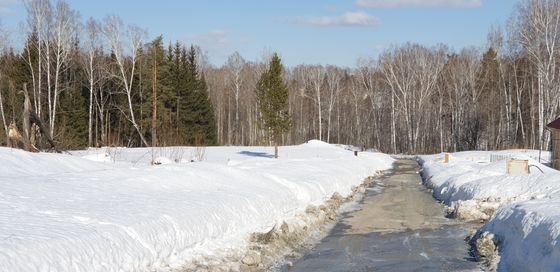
[522,211]
[111,210]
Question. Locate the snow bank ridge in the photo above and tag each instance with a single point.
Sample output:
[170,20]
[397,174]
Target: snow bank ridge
[68,213]
[522,211]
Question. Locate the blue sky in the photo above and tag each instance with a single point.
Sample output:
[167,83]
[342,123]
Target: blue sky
[306,31]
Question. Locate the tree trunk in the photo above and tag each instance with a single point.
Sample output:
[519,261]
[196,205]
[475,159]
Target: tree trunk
[154,105]
[276,147]
[3,117]
[91,90]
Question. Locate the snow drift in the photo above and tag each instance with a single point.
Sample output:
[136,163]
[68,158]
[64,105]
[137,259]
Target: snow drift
[523,211]
[112,211]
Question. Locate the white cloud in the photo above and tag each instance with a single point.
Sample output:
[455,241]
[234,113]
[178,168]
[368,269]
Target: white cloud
[5,10]
[418,3]
[215,37]
[347,19]
[217,43]
[3,6]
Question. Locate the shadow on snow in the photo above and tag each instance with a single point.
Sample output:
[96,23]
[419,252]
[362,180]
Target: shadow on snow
[256,154]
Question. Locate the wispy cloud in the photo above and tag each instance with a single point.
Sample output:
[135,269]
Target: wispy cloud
[217,43]
[217,37]
[5,10]
[358,18]
[418,3]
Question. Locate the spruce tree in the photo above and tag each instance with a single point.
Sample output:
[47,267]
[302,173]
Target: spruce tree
[272,98]
[155,57]
[488,84]
[196,118]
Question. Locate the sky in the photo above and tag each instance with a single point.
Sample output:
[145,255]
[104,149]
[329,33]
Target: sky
[336,32]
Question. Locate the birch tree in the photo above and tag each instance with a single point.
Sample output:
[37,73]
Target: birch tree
[314,77]
[114,32]
[235,65]
[64,32]
[92,50]
[538,31]
[39,22]
[3,40]
[333,78]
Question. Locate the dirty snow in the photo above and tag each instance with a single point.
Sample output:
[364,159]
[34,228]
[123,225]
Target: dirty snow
[523,211]
[110,210]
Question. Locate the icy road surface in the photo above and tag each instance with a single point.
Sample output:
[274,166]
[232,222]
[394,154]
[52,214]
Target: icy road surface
[397,227]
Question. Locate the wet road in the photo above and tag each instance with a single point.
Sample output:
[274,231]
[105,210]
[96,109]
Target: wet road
[398,226]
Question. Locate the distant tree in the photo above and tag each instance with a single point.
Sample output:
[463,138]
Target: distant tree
[195,110]
[487,82]
[234,66]
[126,65]
[272,98]
[90,60]
[74,117]
[156,93]
[536,30]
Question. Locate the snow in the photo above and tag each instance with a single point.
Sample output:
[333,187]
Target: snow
[99,157]
[528,234]
[109,209]
[523,211]
[465,178]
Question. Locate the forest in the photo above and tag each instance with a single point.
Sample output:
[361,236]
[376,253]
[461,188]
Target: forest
[103,82]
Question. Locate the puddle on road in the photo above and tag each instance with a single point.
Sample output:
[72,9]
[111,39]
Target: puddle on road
[397,227]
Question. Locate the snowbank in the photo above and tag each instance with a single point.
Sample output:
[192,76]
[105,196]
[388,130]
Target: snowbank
[75,213]
[528,235]
[523,211]
[471,179]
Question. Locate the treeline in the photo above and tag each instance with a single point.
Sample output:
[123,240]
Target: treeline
[101,84]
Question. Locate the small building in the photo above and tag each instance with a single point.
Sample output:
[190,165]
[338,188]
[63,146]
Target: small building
[554,128]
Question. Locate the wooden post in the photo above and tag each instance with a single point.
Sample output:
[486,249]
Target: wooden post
[446,158]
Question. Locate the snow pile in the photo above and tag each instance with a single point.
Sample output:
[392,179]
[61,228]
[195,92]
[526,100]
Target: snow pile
[473,185]
[523,211]
[528,234]
[68,213]
[99,157]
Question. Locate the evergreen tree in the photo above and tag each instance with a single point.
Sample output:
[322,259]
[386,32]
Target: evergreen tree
[272,98]
[73,107]
[196,114]
[487,82]
[74,119]
[156,55]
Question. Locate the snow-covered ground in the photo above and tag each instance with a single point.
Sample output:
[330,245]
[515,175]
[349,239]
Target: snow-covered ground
[523,211]
[110,210]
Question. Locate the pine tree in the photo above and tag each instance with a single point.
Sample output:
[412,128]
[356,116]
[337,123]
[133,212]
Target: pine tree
[272,98]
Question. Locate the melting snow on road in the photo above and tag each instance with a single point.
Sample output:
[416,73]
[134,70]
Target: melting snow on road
[110,210]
